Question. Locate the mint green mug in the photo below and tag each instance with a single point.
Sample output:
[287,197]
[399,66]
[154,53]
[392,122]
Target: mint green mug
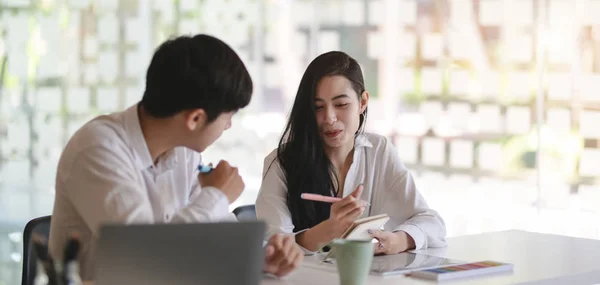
[353,259]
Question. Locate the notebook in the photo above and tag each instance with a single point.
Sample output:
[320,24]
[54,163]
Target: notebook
[462,271]
[359,230]
[406,262]
[395,264]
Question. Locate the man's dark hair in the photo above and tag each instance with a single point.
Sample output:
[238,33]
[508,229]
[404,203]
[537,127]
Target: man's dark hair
[196,72]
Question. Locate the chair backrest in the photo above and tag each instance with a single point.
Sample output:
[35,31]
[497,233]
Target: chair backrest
[40,226]
[245,213]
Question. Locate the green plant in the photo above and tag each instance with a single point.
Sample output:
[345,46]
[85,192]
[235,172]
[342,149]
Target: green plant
[559,152]
[413,98]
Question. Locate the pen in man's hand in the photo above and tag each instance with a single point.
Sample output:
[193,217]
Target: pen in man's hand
[204,168]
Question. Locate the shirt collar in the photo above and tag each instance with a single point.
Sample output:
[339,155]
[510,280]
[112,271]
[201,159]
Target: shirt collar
[168,160]
[138,143]
[361,140]
[143,159]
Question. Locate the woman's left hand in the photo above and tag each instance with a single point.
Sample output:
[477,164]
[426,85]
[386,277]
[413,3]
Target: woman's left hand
[392,243]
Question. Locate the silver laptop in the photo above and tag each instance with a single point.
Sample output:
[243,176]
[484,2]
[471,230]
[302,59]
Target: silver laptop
[212,253]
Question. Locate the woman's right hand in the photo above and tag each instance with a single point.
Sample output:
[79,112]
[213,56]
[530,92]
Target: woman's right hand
[346,211]
[343,213]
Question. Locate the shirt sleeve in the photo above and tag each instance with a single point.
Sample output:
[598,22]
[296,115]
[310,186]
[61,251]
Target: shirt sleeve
[209,205]
[271,203]
[407,209]
[206,203]
[104,187]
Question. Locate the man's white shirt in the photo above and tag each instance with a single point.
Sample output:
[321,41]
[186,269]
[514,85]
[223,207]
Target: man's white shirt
[106,175]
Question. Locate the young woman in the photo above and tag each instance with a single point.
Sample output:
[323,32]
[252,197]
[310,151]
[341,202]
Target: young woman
[324,151]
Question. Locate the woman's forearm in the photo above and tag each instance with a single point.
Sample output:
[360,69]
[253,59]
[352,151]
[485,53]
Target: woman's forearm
[318,236]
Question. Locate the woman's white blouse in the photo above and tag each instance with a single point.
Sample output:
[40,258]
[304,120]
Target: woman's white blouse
[388,187]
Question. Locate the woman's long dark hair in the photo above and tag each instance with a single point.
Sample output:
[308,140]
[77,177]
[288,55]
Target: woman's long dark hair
[301,153]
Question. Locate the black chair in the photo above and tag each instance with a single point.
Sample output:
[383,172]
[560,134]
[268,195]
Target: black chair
[245,213]
[40,226]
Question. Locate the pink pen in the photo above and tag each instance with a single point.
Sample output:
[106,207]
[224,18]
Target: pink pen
[321,198]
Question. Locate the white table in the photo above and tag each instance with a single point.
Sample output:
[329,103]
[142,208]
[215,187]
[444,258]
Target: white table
[537,258]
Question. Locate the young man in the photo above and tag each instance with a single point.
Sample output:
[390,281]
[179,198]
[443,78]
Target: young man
[139,165]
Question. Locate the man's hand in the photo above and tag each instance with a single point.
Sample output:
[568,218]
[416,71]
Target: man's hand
[225,178]
[282,255]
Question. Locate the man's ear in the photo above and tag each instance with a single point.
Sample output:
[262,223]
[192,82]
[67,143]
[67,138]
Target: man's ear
[364,100]
[195,119]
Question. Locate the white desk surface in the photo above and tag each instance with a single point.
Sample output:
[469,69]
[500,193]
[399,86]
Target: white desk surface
[537,258]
